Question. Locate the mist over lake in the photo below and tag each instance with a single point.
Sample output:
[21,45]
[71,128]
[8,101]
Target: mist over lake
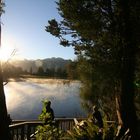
[24,98]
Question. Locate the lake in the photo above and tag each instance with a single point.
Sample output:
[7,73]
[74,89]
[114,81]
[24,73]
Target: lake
[24,98]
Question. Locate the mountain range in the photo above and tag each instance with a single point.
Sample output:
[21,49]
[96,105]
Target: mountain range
[48,63]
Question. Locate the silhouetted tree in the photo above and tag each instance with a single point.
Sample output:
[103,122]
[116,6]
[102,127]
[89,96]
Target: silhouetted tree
[31,70]
[106,34]
[4,126]
[40,71]
[72,70]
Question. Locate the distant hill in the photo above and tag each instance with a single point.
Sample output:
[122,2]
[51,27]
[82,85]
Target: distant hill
[48,63]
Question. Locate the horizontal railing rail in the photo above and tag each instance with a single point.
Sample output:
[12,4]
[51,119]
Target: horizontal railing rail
[22,129]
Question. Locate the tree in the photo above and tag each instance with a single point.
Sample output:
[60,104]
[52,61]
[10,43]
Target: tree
[4,126]
[40,71]
[103,33]
[72,70]
[31,70]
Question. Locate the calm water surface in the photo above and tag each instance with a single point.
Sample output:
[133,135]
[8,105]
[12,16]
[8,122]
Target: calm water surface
[24,98]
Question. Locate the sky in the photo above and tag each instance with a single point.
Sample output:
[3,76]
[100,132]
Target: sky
[23,30]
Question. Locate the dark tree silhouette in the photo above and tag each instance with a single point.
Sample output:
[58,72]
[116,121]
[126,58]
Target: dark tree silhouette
[4,126]
[106,33]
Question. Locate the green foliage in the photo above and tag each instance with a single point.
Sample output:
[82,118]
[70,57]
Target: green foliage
[96,88]
[84,130]
[87,130]
[95,29]
[72,70]
[49,130]
[54,28]
[87,25]
[2,5]
[45,114]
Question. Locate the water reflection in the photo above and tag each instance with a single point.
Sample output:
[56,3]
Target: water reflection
[24,98]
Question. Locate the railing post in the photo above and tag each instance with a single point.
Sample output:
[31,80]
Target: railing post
[22,132]
[28,132]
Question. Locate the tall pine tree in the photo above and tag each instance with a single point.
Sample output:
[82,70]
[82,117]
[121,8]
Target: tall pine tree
[106,33]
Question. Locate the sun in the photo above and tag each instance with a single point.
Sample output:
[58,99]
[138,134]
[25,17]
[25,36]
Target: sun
[6,53]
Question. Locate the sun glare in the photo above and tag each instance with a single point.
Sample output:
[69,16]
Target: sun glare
[6,53]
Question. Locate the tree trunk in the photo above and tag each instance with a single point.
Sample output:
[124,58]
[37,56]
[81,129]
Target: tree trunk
[127,109]
[127,92]
[4,126]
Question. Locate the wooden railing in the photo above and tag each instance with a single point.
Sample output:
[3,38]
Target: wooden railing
[22,130]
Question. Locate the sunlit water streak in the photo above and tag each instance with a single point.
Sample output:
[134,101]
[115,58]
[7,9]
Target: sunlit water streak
[24,98]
